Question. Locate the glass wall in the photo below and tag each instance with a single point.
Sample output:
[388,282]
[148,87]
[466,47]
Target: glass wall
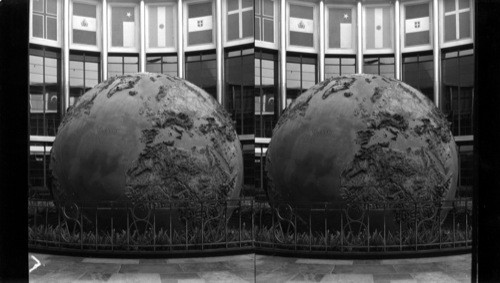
[380,65]
[301,74]
[418,71]
[201,69]
[44,91]
[163,64]
[458,88]
[122,65]
[84,74]
[266,92]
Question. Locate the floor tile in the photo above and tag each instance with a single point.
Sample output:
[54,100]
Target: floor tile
[157,268]
[348,278]
[364,269]
[222,276]
[417,267]
[95,276]
[110,260]
[391,277]
[180,277]
[324,261]
[203,267]
[440,277]
[135,277]
[306,268]
[307,277]
[277,277]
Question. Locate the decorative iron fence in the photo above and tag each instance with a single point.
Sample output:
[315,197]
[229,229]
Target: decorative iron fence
[333,229]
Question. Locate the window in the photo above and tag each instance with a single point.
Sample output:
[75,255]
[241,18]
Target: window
[379,65]
[45,21]
[341,25]
[301,26]
[124,27]
[379,27]
[418,71]
[266,92]
[301,74]
[265,22]
[161,29]
[45,90]
[339,66]
[458,88]
[84,24]
[84,74]
[239,86]
[201,70]
[417,25]
[239,23]
[466,171]
[163,64]
[457,20]
[200,24]
[122,65]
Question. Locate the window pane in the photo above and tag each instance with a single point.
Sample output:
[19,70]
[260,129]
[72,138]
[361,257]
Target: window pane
[257,7]
[131,59]
[161,26]
[76,74]
[347,70]
[450,28]
[38,6]
[340,28]
[115,59]
[38,26]
[464,20]
[232,5]
[268,30]
[51,28]
[233,27]
[52,7]
[122,26]
[268,8]
[247,3]
[153,68]
[130,69]
[247,24]
[257,28]
[84,23]
[449,5]
[50,70]
[378,28]
[463,4]
[200,23]
[301,26]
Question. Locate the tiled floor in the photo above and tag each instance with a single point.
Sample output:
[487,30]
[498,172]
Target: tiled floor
[248,268]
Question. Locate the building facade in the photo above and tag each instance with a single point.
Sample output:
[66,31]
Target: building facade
[254,56]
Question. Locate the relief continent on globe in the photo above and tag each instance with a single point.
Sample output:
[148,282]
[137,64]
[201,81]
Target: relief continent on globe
[362,138]
[146,138]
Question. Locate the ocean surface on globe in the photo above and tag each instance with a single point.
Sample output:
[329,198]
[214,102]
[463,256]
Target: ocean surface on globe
[362,139]
[146,138]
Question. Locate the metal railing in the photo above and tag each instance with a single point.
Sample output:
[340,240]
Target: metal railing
[174,228]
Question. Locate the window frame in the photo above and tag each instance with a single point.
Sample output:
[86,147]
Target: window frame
[115,49]
[239,41]
[122,63]
[85,61]
[266,44]
[146,22]
[44,41]
[316,24]
[86,47]
[162,55]
[381,51]
[185,20]
[417,48]
[342,51]
[456,42]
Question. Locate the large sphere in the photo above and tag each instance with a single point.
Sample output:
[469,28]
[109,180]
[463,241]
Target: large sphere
[146,137]
[362,138]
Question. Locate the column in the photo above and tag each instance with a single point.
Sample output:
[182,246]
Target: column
[180,41]
[437,52]
[219,50]
[104,54]
[65,57]
[359,53]
[142,54]
[397,40]
[282,58]
[321,55]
